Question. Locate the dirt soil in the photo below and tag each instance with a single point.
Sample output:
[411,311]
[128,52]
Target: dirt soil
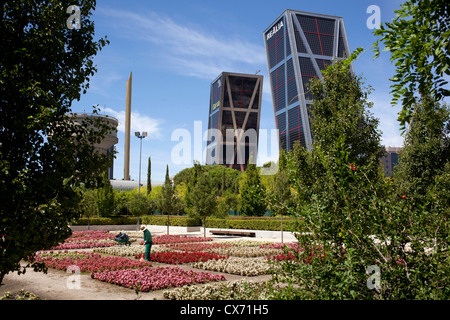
[56,285]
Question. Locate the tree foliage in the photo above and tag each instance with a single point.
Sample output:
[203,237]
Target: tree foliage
[280,196]
[426,150]
[166,201]
[339,115]
[418,41]
[43,154]
[357,240]
[252,200]
[105,199]
[149,176]
[203,198]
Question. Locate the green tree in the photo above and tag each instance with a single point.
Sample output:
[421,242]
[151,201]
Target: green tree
[204,198]
[43,154]
[252,200]
[227,202]
[122,199]
[88,205]
[105,198]
[149,176]
[425,152]
[139,205]
[167,199]
[280,190]
[222,177]
[280,198]
[350,224]
[418,41]
[340,114]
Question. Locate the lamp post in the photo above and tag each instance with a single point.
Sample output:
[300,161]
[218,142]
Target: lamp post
[138,134]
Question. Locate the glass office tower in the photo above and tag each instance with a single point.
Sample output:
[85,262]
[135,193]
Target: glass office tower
[233,123]
[299,45]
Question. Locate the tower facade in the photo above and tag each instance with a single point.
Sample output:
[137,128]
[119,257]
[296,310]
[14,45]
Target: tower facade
[299,45]
[233,122]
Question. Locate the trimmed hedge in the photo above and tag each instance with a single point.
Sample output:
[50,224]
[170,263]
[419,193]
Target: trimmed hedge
[106,221]
[247,223]
[177,221]
[250,224]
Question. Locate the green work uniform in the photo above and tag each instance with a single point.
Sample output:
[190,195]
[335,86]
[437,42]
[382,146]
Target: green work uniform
[148,244]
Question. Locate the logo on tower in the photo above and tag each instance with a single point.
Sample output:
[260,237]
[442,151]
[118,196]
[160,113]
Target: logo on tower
[275,29]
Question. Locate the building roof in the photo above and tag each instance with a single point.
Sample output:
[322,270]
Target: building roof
[130,184]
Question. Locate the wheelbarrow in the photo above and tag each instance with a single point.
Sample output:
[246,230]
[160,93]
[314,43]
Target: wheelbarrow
[122,239]
[125,242]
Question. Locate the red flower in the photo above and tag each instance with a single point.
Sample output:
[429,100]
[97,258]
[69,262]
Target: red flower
[403,196]
[352,167]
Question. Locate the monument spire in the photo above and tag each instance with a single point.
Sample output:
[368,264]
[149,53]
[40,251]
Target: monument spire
[126,168]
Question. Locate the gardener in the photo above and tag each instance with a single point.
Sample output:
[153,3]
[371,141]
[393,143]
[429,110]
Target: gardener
[148,242]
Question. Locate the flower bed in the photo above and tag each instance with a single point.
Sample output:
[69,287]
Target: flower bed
[289,245]
[126,251]
[247,252]
[87,261]
[175,257]
[178,238]
[90,235]
[148,279]
[195,246]
[86,239]
[122,251]
[239,266]
[247,243]
[83,245]
[313,252]
[229,290]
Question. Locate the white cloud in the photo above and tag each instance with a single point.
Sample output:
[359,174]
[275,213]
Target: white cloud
[139,122]
[187,48]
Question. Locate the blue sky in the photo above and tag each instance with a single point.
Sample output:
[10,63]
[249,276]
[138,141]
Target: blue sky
[175,49]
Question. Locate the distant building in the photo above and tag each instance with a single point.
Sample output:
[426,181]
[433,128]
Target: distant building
[233,122]
[299,45]
[390,160]
[124,185]
[106,146]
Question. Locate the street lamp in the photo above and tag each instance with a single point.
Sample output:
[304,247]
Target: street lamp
[138,134]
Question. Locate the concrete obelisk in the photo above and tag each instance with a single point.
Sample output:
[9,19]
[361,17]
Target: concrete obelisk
[126,167]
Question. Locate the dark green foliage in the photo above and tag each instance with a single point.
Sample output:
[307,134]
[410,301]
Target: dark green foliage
[140,205]
[222,178]
[43,155]
[426,150]
[166,201]
[149,176]
[252,200]
[203,198]
[280,196]
[351,220]
[339,118]
[105,198]
[227,202]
